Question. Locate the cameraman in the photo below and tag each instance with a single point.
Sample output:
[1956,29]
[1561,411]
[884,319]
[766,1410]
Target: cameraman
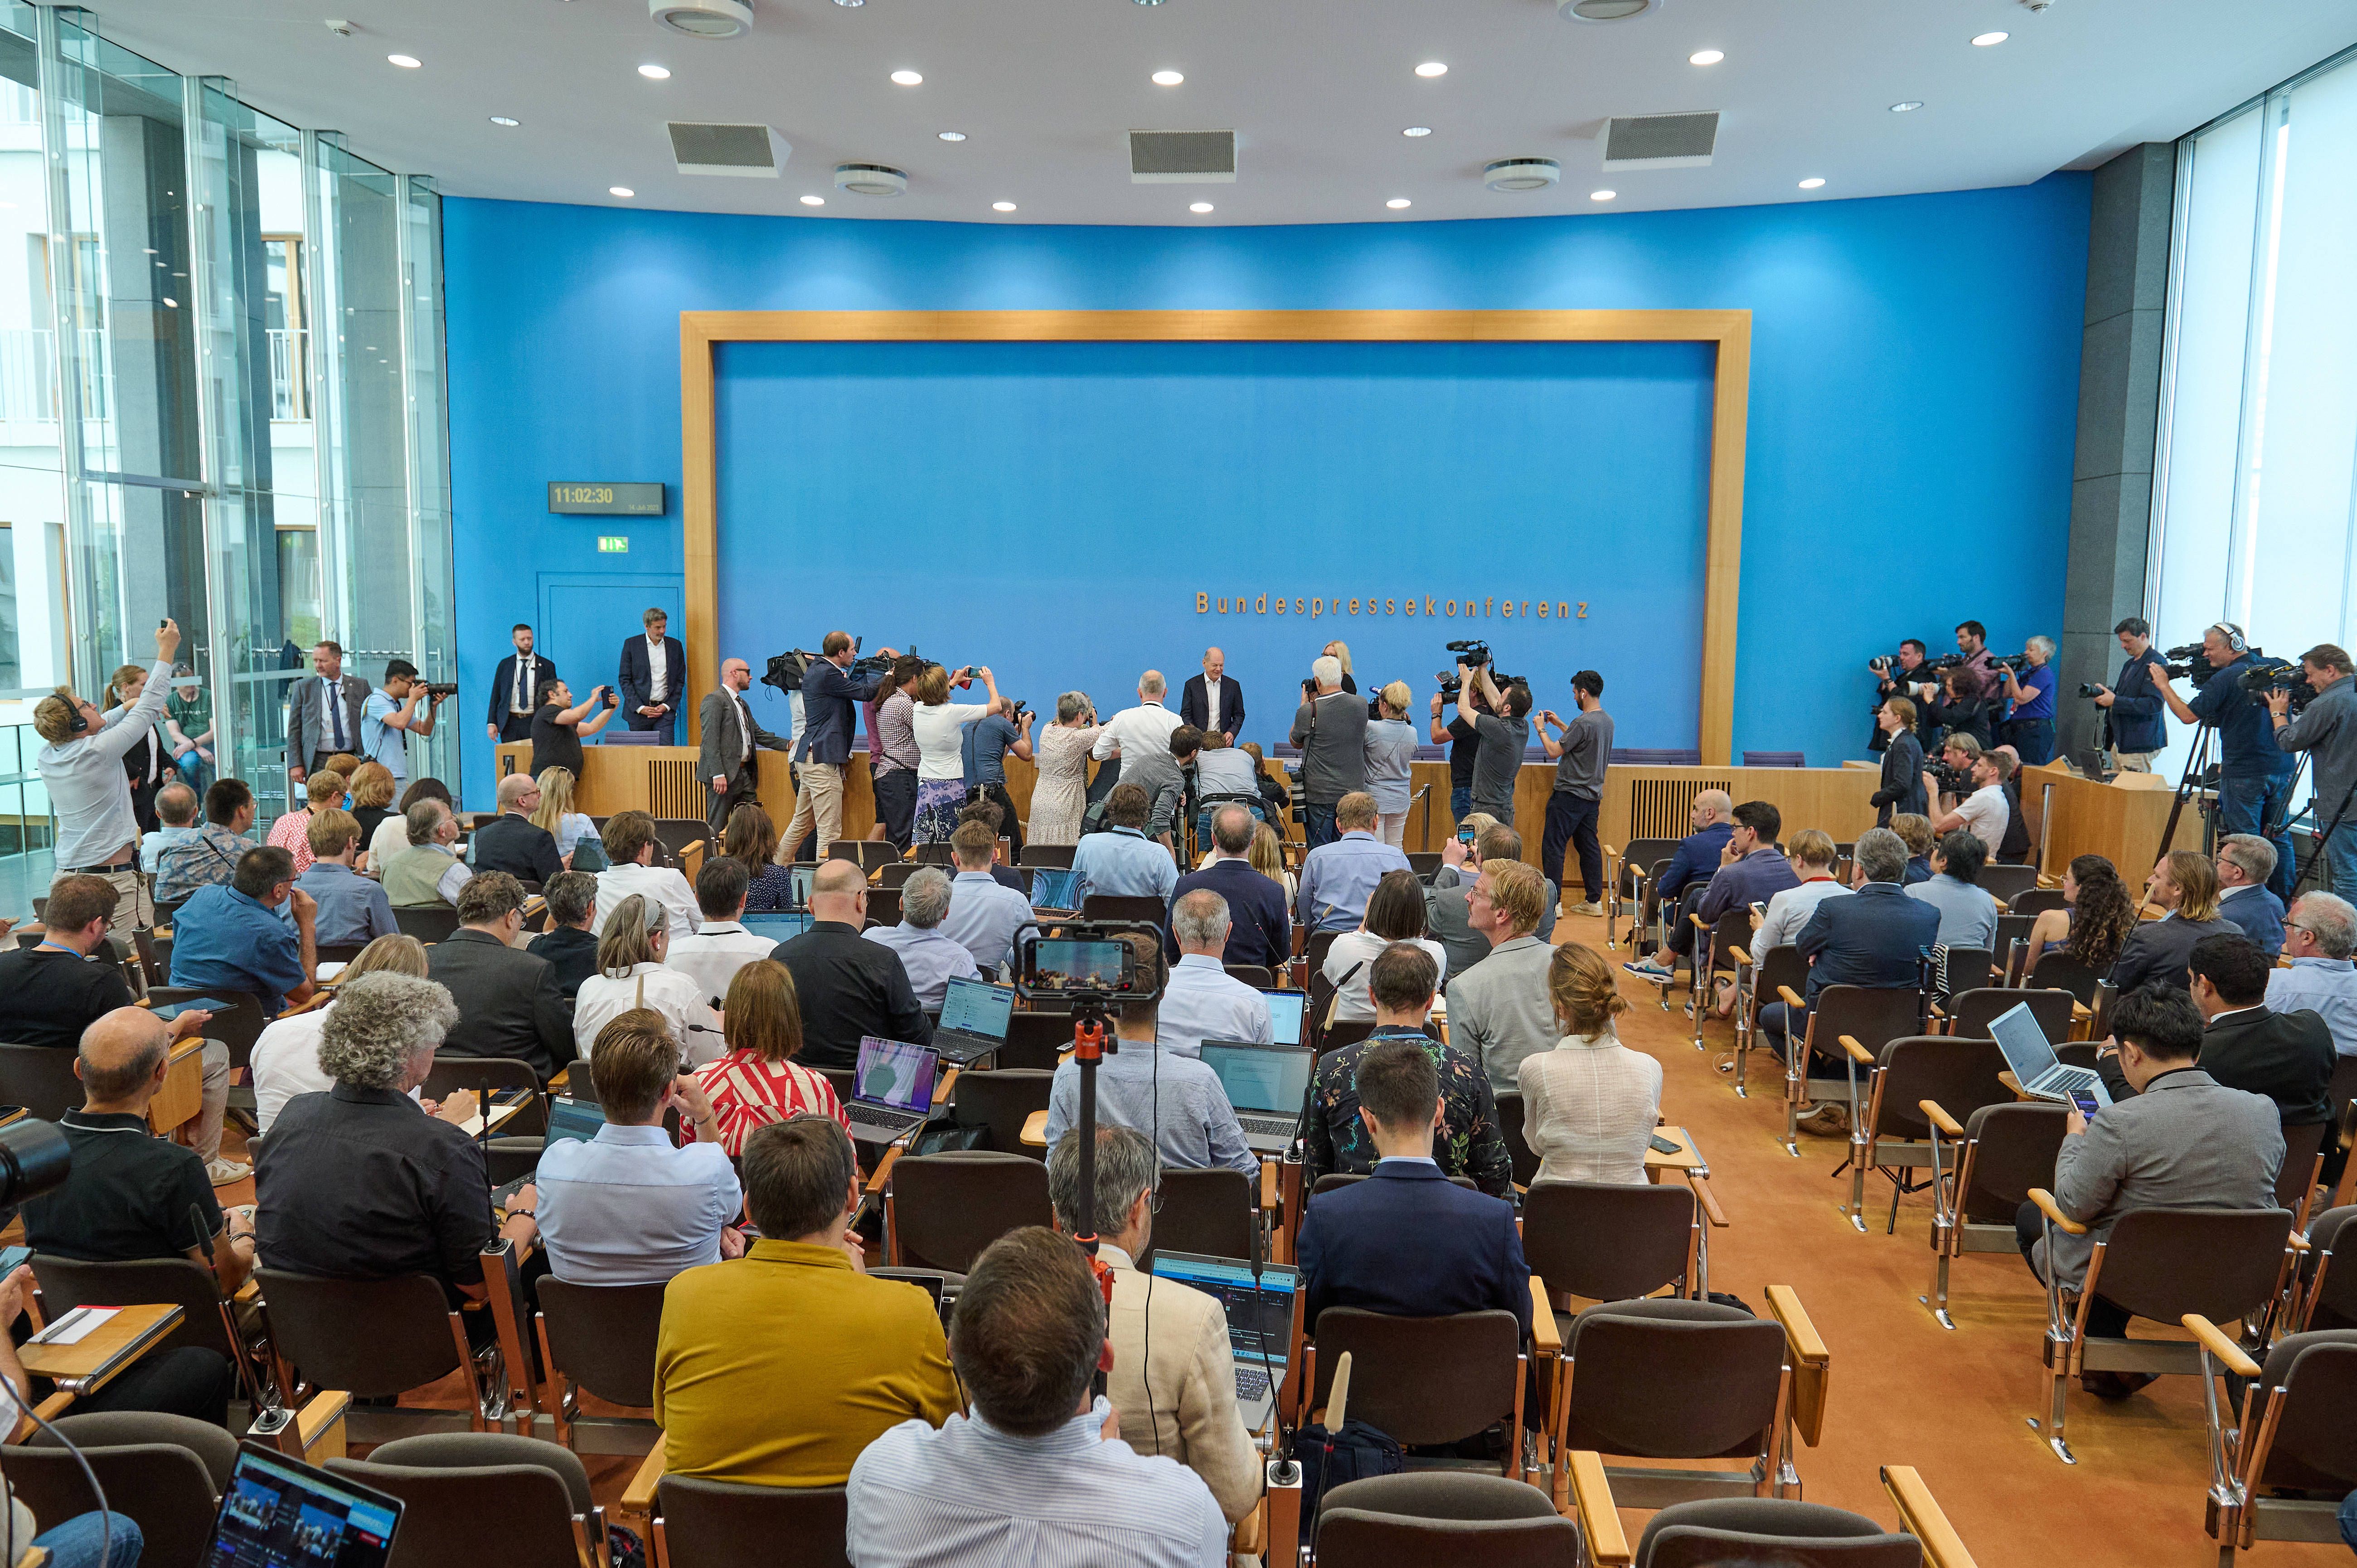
[1464,744]
[2254,773]
[1504,732]
[2327,726]
[2133,701]
[389,717]
[2030,730]
[986,742]
[1908,679]
[1972,645]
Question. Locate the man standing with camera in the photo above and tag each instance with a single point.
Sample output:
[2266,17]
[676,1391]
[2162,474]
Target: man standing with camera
[2133,701]
[828,693]
[2254,773]
[2327,726]
[1504,732]
[1906,678]
[1331,731]
[389,717]
[1579,795]
[2030,729]
[1007,727]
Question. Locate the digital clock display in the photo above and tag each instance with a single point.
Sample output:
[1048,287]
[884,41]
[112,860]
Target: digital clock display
[605,498]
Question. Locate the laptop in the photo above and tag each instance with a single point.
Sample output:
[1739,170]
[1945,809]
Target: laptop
[2035,1067]
[1260,1321]
[569,1121]
[278,1510]
[1285,1011]
[1266,1084]
[777,928]
[892,1089]
[973,1020]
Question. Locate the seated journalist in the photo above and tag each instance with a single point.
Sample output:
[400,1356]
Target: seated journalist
[847,988]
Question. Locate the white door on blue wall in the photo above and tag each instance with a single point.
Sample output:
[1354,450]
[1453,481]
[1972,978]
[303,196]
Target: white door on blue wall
[585,620]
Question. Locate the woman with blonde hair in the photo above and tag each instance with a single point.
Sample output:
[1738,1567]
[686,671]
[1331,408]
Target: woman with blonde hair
[323,792]
[287,1053]
[630,973]
[1268,859]
[759,1081]
[1059,797]
[2186,885]
[556,816]
[1590,1104]
[1340,653]
[1391,757]
[372,789]
[750,838]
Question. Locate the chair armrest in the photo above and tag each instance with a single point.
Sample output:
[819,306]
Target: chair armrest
[2053,1212]
[883,1169]
[1792,999]
[1920,1514]
[1599,1521]
[1545,1338]
[1699,923]
[1741,955]
[1811,1366]
[2079,1011]
[1939,1118]
[1268,1192]
[1704,1196]
[1784,1304]
[1244,1538]
[639,1496]
[1034,1130]
[2228,1354]
[1858,1053]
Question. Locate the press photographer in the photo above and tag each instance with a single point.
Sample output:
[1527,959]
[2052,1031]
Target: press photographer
[2327,727]
[1963,703]
[2254,773]
[2132,703]
[1910,675]
[1504,732]
[1464,744]
[2027,681]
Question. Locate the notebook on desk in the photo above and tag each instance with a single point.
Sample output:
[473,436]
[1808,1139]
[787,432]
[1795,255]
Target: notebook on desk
[1266,1084]
[278,1512]
[974,1023]
[1260,1320]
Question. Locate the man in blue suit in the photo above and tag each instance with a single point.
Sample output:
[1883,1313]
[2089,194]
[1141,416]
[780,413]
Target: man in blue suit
[2246,862]
[1873,940]
[829,721]
[1260,928]
[653,673]
[1407,1241]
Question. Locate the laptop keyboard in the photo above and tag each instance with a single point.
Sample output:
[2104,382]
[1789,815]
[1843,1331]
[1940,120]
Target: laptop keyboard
[1266,1126]
[897,1121]
[2070,1077]
[1252,1383]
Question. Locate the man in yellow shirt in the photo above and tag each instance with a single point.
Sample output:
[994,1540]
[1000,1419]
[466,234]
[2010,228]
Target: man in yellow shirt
[776,1370]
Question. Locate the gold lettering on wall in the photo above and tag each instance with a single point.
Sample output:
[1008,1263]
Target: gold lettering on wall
[1322,605]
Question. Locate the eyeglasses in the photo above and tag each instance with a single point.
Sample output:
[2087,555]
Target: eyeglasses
[2295,926]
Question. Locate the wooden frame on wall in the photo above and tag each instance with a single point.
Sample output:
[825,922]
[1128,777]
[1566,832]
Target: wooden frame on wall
[701,331]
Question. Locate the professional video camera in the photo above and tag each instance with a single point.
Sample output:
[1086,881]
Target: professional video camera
[34,1158]
[1472,653]
[787,670]
[2277,675]
[2189,660]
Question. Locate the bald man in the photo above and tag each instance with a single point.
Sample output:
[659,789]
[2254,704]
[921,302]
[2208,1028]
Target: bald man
[511,842]
[1211,701]
[730,733]
[1712,817]
[849,988]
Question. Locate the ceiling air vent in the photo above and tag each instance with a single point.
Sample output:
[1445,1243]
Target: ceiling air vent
[1661,140]
[1603,10]
[870,180]
[1521,174]
[1182,158]
[756,152]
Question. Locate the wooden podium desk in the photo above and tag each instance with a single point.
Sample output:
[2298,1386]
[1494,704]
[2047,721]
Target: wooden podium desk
[2121,821]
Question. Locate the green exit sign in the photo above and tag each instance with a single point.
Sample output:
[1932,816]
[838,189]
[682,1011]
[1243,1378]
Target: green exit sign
[613,544]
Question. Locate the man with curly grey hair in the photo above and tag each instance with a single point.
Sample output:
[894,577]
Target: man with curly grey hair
[932,957]
[359,1183]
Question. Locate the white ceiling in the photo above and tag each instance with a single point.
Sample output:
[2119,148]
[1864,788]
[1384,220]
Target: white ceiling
[1318,91]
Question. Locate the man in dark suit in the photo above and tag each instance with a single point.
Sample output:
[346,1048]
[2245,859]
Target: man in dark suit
[849,987]
[828,694]
[516,686]
[1211,701]
[730,733]
[511,842]
[507,1002]
[2244,862]
[323,715]
[1407,1241]
[2287,1056]
[1260,928]
[1901,789]
[654,671]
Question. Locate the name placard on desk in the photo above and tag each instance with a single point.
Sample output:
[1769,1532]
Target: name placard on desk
[606,498]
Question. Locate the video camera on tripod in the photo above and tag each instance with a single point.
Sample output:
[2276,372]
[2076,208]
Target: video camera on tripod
[787,670]
[2270,675]
[2191,661]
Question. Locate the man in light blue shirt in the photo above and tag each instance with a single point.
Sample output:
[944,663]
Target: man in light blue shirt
[389,717]
[176,810]
[1123,861]
[1201,1000]
[353,910]
[985,916]
[626,1208]
[233,935]
[1039,1472]
[2319,935]
[1338,878]
[932,957]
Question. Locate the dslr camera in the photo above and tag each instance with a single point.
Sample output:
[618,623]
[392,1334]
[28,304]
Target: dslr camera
[2016,662]
[2089,689]
[2277,675]
[441,691]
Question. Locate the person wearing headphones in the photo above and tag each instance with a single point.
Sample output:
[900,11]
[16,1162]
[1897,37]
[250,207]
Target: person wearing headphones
[2254,773]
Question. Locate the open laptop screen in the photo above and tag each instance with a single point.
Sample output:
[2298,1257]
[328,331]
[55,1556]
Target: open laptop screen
[1285,1008]
[978,1007]
[777,927]
[575,1119]
[2026,1050]
[278,1513]
[1259,1077]
[896,1074]
[1259,1316]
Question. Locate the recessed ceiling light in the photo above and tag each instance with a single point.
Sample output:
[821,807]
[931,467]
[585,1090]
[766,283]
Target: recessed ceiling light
[1002,207]
[504,120]
[406,63]
[1167,78]
[1417,131]
[814,202]
[656,72]
[1432,67]
[907,77]
[1812,183]
[1908,107]
[1983,40]
[851,4]
[1705,57]
[620,191]
[951,135]
[1602,195]
[170,301]
[1198,207]
[1397,202]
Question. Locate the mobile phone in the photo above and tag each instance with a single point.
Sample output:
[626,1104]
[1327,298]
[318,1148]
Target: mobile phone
[1758,907]
[1465,834]
[1662,1146]
[12,1258]
[169,1010]
[2086,1100]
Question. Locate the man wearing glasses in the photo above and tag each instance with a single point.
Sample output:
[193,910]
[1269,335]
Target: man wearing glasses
[511,842]
[2318,938]
[2244,862]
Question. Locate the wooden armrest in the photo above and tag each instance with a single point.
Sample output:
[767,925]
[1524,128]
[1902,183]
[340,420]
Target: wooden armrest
[1034,1130]
[1244,1540]
[639,1496]
[1784,1304]
[2080,1010]
[1741,955]
[563,1080]
[1858,1053]
[1545,1338]
[883,1169]
[1920,1514]
[1699,923]
[1792,1000]
[2053,1212]
[1939,1118]
[2297,1242]
[1811,1366]
[1704,1196]
[250,1290]
[2229,1354]
[1599,1521]
[1268,1189]
[320,1426]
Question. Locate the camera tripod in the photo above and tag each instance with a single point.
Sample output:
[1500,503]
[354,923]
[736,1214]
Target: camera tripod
[2188,785]
[2323,841]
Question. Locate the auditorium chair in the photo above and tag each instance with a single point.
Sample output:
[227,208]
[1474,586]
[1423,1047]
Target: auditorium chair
[1034,1041]
[2012,946]
[1046,857]
[429,923]
[866,854]
[1764,983]
[2006,883]
[207,1321]
[1670,1379]
[1414,1520]
[896,875]
[1970,1013]
[1252,975]
[2280,1472]
[1634,870]
[698,1523]
[1765,1533]
[1429,1381]
[2161,1264]
[373,1339]
[501,1075]
[941,1211]
[1146,911]
[39,1078]
[493,1497]
[2302,1168]
[1425,864]
[883,907]
[2060,972]
[932,855]
[1982,1170]
[599,1338]
[1775,759]
[1000,1099]
[1510,1110]
[1892,1134]
[344,952]
[1611,1242]
[2328,1285]
[1846,1017]
[1717,951]
[236,1025]
[1959,970]
[1211,1213]
[166,1472]
[2034,900]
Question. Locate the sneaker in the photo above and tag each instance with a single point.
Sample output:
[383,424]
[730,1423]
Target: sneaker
[1828,1120]
[1649,969]
[1590,908]
[227,1172]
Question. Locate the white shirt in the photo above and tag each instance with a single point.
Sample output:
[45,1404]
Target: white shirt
[286,1063]
[1790,910]
[1986,812]
[744,726]
[1356,1003]
[391,836]
[695,1027]
[665,884]
[522,696]
[657,669]
[1212,690]
[939,750]
[1141,731]
[88,791]
[712,956]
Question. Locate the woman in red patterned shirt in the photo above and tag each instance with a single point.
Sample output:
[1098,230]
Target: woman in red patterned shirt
[759,1081]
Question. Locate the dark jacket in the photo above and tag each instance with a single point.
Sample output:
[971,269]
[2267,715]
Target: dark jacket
[1260,928]
[828,696]
[1697,860]
[1195,705]
[507,1002]
[1902,780]
[1756,879]
[2158,949]
[637,676]
[2260,914]
[2137,712]
[722,753]
[1873,938]
[2013,848]
[307,738]
[849,988]
[1409,1242]
[2287,1056]
[503,685]
[516,845]
[1971,716]
[572,952]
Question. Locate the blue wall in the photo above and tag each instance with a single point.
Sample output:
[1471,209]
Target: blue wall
[1913,396]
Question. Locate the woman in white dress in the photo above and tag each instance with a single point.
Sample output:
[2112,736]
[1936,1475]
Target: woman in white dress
[938,725]
[1395,913]
[1589,1105]
[1059,797]
[630,973]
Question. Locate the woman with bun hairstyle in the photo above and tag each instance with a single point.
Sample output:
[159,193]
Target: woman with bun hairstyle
[1590,1104]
